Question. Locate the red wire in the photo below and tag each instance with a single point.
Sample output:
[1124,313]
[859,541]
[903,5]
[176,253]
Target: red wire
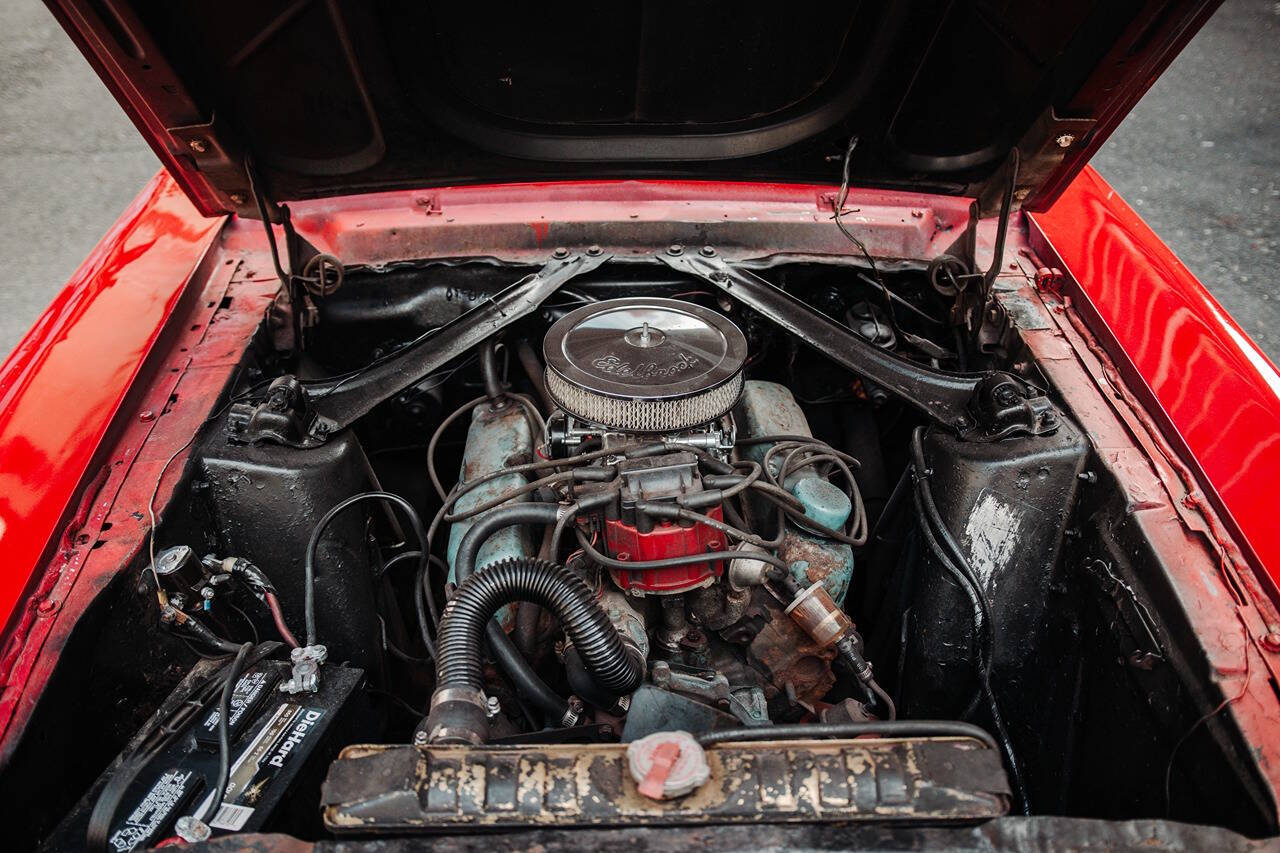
[277,616]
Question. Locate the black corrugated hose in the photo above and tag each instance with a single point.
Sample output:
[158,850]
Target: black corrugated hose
[550,585]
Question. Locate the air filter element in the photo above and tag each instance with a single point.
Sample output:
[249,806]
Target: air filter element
[645,365]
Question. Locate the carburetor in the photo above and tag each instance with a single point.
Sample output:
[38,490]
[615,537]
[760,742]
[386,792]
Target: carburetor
[663,373]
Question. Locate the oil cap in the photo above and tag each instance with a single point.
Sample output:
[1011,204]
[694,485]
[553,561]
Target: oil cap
[666,765]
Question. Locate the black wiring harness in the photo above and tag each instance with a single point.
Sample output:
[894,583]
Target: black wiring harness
[220,683]
[942,544]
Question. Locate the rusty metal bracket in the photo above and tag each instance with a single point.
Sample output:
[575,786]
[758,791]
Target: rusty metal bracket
[977,406]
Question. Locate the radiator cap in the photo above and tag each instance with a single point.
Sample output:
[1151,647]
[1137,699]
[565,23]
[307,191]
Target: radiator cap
[667,765]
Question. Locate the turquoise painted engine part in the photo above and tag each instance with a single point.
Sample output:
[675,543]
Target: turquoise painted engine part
[815,558]
[497,439]
[767,408]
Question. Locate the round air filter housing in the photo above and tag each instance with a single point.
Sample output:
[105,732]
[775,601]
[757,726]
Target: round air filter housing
[645,365]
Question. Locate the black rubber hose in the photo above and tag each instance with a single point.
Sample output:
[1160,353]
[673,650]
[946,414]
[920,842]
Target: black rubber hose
[510,661]
[470,612]
[489,370]
[555,588]
[884,728]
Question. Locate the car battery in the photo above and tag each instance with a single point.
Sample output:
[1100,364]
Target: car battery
[170,768]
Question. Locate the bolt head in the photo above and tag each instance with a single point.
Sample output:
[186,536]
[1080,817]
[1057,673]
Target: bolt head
[708,251]
[675,249]
[146,416]
[198,145]
[560,252]
[192,830]
[1065,140]
[594,251]
[1271,641]
[238,198]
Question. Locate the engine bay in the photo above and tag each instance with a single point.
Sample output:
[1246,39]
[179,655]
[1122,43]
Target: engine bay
[633,544]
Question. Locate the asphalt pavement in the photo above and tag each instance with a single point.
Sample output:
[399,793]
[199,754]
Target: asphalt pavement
[1199,158]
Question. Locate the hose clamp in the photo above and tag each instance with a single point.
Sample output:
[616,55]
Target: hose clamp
[573,713]
[458,694]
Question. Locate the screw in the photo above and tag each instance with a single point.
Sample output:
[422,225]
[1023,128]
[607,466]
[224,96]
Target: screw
[198,145]
[1066,140]
[594,251]
[47,606]
[1005,395]
[708,251]
[419,738]
[206,593]
[1271,642]
[675,249]
[148,415]
[492,707]
[560,252]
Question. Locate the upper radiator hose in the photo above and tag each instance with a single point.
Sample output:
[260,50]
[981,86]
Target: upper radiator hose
[457,707]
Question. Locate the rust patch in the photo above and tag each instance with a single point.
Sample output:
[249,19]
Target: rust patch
[591,785]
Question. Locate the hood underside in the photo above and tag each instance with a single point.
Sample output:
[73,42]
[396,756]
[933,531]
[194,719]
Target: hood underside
[332,98]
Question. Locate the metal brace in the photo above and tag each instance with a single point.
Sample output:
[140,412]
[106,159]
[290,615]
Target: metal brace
[304,416]
[976,406]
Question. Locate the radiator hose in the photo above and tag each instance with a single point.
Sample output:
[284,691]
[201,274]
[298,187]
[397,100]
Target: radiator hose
[457,706]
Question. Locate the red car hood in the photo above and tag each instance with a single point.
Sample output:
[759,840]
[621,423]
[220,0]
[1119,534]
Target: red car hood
[339,97]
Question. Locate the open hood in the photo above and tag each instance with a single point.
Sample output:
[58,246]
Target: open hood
[332,98]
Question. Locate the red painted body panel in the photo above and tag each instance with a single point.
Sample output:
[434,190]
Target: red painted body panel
[1208,380]
[73,457]
[61,387]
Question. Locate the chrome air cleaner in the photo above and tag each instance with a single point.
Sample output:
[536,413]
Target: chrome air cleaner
[645,365]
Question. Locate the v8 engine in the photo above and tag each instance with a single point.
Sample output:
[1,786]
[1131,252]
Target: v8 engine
[661,455]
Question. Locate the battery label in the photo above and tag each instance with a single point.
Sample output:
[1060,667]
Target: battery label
[248,693]
[269,751]
[157,810]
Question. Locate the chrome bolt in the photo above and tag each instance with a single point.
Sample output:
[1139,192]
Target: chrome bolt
[1066,140]
[198,145]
